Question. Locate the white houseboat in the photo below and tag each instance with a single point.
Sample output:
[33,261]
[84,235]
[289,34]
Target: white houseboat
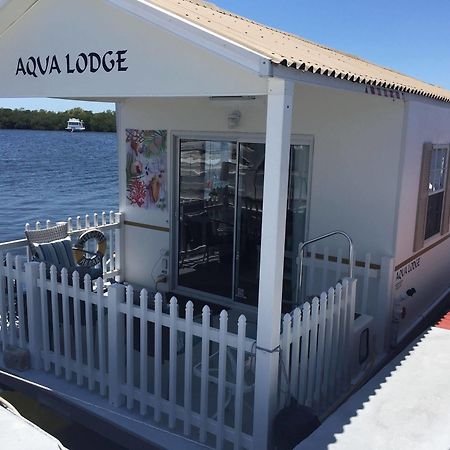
[75,125]
[236,143]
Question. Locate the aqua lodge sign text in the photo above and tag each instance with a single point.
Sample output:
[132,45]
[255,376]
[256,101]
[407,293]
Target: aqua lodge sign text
[36,66]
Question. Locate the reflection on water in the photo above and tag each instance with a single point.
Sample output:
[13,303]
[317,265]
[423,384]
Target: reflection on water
[54,175]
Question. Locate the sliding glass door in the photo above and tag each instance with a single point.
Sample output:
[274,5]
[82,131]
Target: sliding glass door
[206,218]
[297,215]
[219,217]
[248,222]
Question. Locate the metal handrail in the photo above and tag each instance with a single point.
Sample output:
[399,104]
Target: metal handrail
[301,248]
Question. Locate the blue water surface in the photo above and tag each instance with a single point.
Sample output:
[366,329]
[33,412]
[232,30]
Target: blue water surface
[54,175]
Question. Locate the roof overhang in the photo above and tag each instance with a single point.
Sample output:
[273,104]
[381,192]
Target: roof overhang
[197,35]
[287,49]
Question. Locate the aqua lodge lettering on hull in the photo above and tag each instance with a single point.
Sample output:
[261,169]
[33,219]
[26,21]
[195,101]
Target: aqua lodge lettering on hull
[413,265]
[84,62]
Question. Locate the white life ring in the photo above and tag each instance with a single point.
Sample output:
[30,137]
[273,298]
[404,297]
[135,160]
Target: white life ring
[85,259]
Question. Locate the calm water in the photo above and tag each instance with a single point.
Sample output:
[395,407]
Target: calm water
[54,175]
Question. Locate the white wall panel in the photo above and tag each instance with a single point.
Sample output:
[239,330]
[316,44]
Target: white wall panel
[357,140]
[159,64]
[428,273]
[425,123]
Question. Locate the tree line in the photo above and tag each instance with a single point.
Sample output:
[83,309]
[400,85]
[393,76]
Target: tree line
[24,119]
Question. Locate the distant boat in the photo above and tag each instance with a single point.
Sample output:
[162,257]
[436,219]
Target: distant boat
[75,125]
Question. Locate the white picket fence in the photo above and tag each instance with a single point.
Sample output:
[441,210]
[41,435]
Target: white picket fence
[324,269]
[187,372]
[111,224]
[13,326]
[315,348]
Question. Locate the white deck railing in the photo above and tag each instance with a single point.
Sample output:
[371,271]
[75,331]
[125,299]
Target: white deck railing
[324,269]
[315,348]
[185,371]
[14,329]
[110,224]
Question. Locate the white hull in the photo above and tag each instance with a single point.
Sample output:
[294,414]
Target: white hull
[75,125]
[75,129]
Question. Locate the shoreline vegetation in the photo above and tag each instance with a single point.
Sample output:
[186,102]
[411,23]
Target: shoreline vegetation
[24,119]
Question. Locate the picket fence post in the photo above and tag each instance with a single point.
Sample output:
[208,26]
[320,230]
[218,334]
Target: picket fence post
[34,313]
[116,334]
[3,308]
[11,305]
[119,246]
[350,306]
[20,300]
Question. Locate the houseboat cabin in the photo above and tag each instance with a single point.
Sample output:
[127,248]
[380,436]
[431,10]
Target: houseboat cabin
[238,146]
[75,125]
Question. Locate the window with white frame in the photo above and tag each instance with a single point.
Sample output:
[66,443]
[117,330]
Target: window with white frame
[433,210]
[436,191]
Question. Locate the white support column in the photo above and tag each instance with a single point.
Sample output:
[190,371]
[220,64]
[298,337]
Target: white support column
[276,175]
[121,158]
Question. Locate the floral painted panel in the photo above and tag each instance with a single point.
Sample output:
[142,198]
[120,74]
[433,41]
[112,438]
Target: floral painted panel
[146,168]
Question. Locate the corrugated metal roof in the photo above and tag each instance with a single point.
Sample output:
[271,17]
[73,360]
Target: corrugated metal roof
[292,51]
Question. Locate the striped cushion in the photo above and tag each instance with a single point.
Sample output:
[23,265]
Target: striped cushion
[58,253]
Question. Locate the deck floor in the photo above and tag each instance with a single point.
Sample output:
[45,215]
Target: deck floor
[95,411]
[404,407]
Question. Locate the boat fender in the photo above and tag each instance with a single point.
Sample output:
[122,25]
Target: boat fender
[82,257]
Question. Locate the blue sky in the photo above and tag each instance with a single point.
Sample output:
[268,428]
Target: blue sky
[408,36]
